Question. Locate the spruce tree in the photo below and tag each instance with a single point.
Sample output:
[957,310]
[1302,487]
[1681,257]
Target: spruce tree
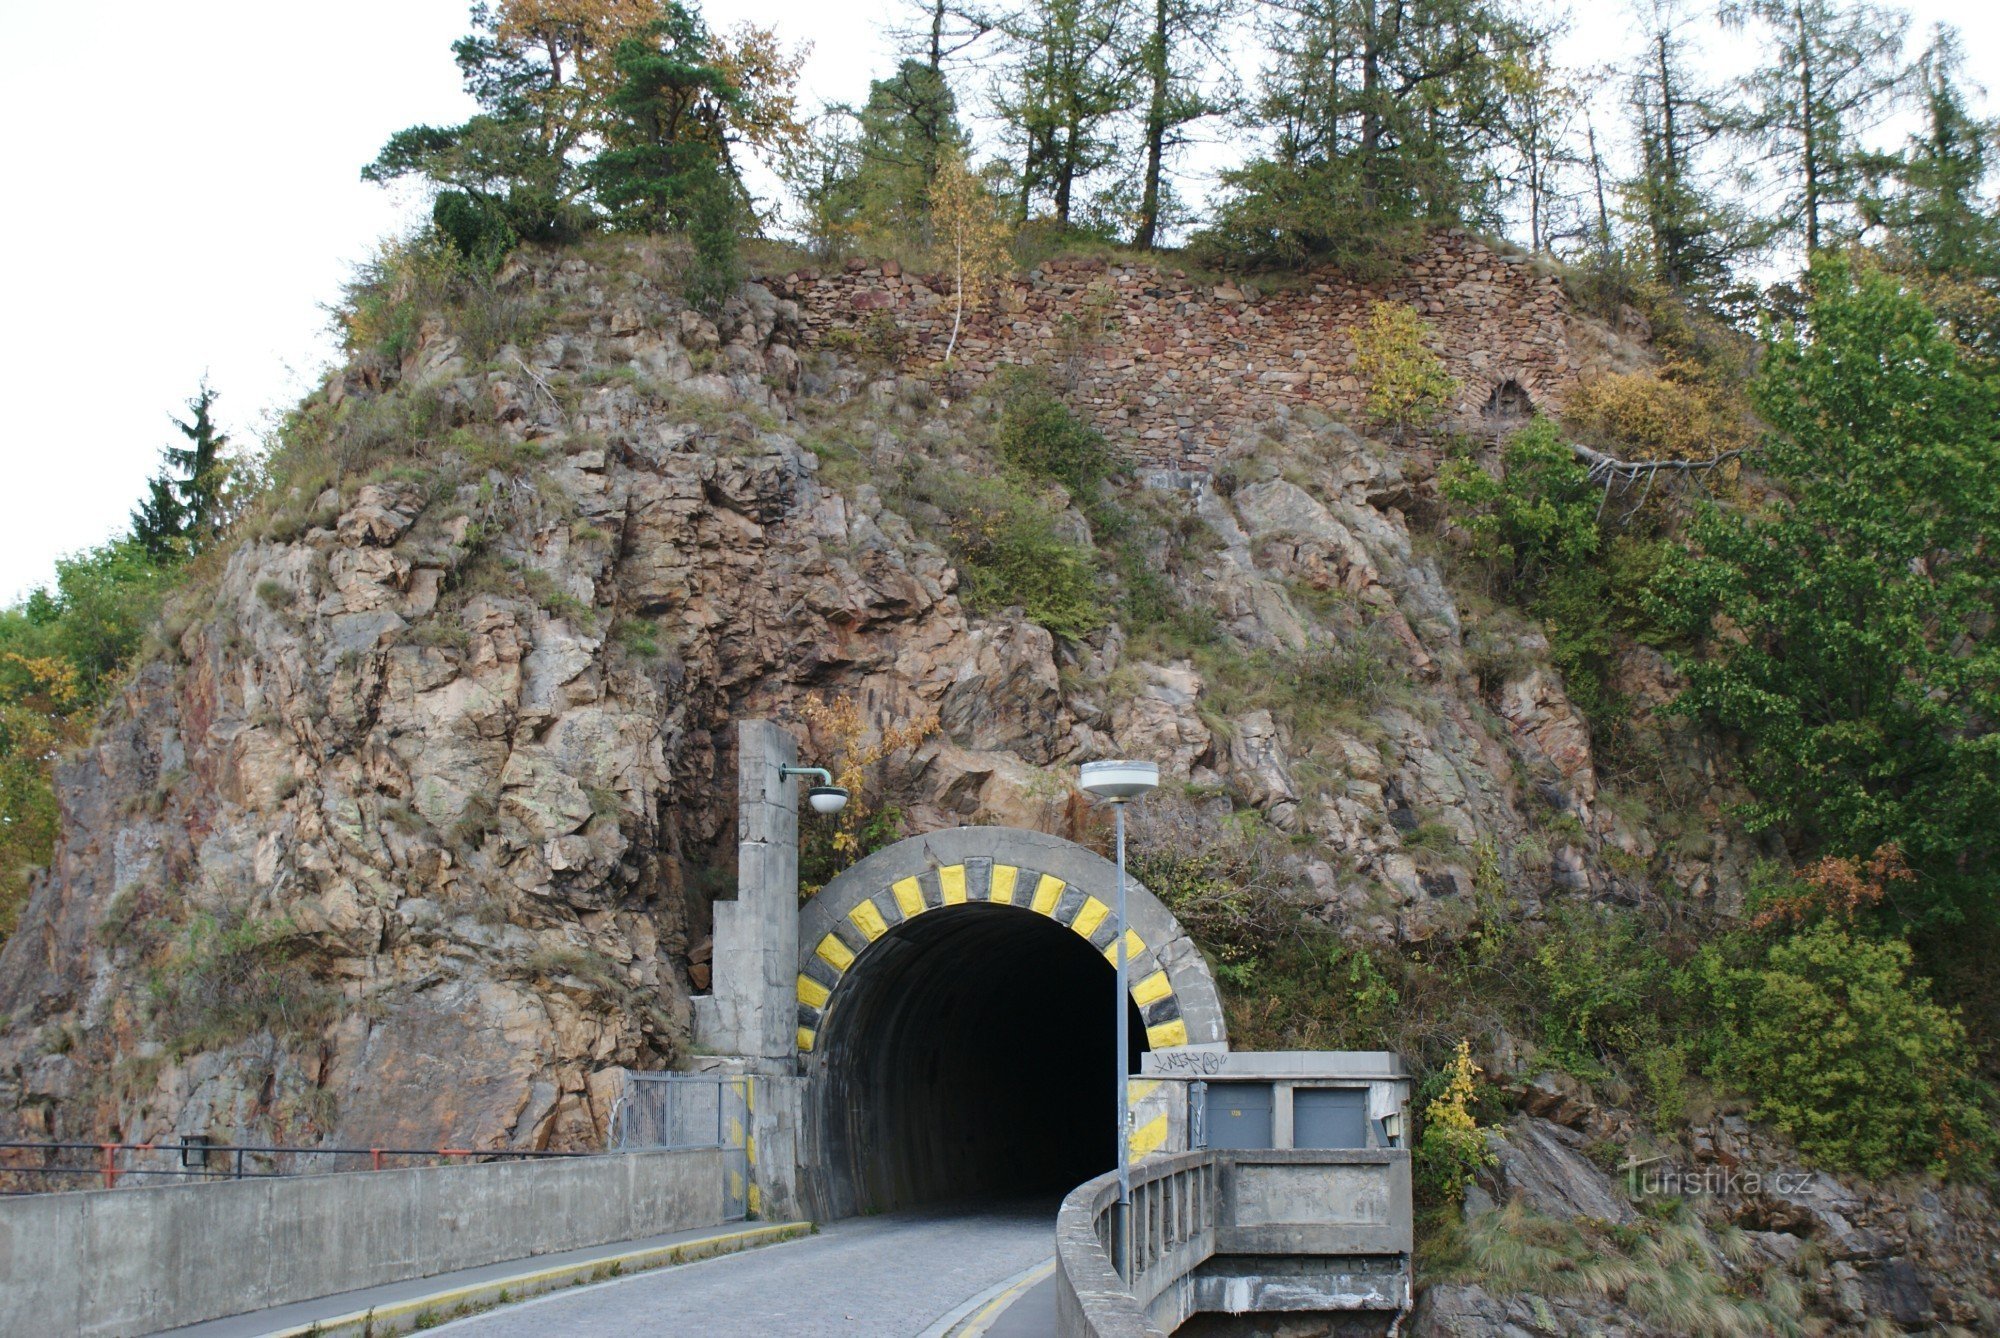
[190,500]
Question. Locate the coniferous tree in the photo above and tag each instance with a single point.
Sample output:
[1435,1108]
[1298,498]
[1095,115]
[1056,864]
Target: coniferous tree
[908,127]
[192,498]
[1693,234]
[512,172]
[1380,111]
[1831,75]
[1939,225]
[1182,43]
[1065,85]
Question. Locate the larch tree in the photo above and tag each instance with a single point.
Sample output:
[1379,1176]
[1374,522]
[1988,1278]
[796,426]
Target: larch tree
[1063,88]
[1831,74]
[1379,114]
[1181,49]
[1693,232]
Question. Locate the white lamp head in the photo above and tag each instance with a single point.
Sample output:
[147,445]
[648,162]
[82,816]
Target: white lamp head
[1119,781]
[827,799]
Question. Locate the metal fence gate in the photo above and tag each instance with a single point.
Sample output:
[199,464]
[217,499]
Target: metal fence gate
[694,1110]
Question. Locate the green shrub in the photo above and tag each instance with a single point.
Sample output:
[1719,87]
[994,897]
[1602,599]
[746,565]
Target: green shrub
[1842,1049]
[1008,553]
[1606,994]
[1039,436]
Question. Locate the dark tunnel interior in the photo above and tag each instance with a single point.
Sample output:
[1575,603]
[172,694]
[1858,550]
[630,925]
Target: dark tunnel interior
[968,1053]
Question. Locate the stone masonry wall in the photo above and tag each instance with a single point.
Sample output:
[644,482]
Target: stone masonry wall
[1173,368]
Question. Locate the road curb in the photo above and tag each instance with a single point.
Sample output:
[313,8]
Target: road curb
[974,1317]
[424,1312]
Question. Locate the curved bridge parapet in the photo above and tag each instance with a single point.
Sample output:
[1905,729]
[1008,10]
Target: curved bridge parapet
[1236,1233]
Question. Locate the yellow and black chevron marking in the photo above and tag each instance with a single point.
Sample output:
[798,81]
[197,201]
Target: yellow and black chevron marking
[979,880]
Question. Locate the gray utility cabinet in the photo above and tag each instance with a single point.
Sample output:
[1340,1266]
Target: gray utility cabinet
[1239,1115]
[1329,1117]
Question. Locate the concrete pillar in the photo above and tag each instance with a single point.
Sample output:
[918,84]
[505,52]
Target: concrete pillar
[754,1009]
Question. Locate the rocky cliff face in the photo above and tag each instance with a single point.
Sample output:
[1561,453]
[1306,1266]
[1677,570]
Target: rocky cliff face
[412,825]
[408,830]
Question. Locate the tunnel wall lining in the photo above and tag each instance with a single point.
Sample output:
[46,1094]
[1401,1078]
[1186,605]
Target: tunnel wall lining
[1036,874]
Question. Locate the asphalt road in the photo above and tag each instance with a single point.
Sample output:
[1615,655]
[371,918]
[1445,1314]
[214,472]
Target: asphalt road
[891,1276]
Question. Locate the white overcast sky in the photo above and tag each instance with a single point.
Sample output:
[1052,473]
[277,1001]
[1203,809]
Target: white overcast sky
[187,201]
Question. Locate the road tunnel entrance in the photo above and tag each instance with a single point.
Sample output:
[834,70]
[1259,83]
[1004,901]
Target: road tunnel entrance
[973,1055]
[956,1024]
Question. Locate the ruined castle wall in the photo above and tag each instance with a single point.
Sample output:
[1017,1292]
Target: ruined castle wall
[1172,368]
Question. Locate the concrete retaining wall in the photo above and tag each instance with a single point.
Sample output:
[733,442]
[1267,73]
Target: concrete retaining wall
[132,1261]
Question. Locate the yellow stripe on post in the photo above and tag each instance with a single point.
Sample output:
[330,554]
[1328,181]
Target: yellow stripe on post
[1134,945]
[951,882]
[1152,989]
[834,953]
[813,994]
[1002,887]
[867,917]
[1149,1137]
[1138,1089]
[909,897]
[806,1038]
[1090,917]
[1047,893]
[1167,1035]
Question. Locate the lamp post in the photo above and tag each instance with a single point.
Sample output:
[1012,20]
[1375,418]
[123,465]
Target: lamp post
[1118,784]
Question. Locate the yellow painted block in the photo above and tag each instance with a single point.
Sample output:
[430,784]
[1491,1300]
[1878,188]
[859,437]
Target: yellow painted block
[834,953]
[750,1149]
[951,882]
[750,1094]
[1152,989]
[813,994]
[910,897]
[735,1132]
[1002,889]
[756,1200]
[1138,1089]
[1047,893]
[1149,1137]
[868,919]
[806,1038]
[1134,945]
[1167,1035]
[1090,917]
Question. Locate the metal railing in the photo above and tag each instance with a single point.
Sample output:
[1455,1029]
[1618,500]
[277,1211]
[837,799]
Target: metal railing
[199,1159]
[1340,1218]
[693,1110]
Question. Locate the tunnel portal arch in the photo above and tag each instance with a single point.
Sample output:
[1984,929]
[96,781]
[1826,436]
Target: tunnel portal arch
[951,1025]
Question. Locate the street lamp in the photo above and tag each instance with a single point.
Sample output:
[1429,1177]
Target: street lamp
[826,797]
[1118,784]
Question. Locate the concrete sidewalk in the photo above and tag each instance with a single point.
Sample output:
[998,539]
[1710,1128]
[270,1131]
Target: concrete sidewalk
[425,1302]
